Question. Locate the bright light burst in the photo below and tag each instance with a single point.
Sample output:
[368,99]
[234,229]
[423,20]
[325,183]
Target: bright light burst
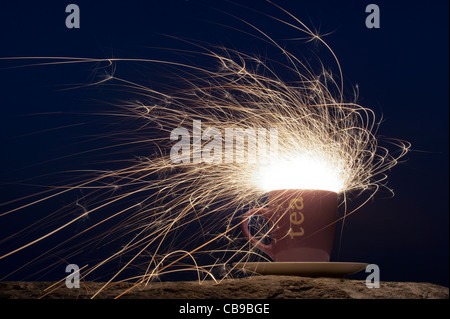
[324,142]
[302,171]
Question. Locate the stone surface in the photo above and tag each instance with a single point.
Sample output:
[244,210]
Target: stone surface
[255,287]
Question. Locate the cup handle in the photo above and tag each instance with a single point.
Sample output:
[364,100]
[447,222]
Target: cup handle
[264,212]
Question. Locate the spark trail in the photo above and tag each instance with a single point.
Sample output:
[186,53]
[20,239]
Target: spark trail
[190,210]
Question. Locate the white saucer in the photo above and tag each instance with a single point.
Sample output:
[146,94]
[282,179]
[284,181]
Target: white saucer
[304,269]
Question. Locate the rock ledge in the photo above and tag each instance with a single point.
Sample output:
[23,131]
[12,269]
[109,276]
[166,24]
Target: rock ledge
[255,287]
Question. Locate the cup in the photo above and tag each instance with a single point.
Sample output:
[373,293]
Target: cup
[302,225]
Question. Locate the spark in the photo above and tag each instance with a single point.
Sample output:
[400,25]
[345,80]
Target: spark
[324,142]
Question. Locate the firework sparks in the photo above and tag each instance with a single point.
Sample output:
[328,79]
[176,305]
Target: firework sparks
[324,143]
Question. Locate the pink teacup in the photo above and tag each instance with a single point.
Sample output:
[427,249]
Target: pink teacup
[302,225]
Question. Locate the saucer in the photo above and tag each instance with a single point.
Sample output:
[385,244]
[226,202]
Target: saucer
[304,269]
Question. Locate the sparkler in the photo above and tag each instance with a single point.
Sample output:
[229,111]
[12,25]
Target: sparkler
[324,143]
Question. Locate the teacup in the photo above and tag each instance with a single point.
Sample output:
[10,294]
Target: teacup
[302,225]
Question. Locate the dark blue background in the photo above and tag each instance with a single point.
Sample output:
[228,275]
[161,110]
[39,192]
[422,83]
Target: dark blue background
[401,70]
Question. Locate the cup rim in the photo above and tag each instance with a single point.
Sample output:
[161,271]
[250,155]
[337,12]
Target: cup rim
[301,190]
